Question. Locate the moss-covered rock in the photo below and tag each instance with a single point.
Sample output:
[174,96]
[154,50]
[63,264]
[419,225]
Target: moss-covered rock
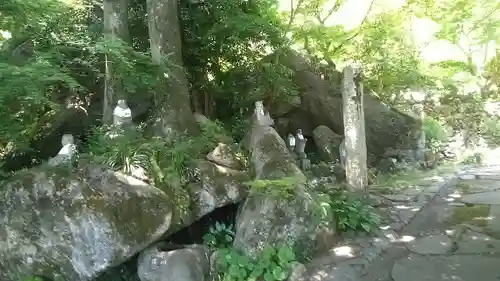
[267,219]
[218,186]
[270,156]
[73,225]
[328,143]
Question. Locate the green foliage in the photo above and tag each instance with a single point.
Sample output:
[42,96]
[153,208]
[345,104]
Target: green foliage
[132,69]
[434,132]
[272,264]
[348,212]
[282,188]
[32,278]
[491,131]
[219,236]
[474,159]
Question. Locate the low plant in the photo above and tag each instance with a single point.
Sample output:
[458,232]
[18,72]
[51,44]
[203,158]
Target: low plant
[161,159]
[282,188]
[219,236]
[32,278]
[348,212]
[272,264]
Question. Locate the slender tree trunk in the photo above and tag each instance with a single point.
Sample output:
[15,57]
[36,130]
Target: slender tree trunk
[115,28]
[172,102]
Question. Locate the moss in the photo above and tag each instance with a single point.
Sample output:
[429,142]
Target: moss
[463,186]
[474,215]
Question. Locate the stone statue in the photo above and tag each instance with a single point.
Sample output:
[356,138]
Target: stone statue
[122,115]
[67,151]
[262,117]
[300,144]
[291,142]
[305,164]
[259,110]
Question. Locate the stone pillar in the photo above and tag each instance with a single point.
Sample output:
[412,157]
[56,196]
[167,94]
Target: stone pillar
[418,110]
[354,128]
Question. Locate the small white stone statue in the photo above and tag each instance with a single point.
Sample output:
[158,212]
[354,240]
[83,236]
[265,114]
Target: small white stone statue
[290,142]
[262,117]
[122,115]
[67,151]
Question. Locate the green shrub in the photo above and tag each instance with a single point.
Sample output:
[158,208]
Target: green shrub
[219,236]
[272,264]
[348,212]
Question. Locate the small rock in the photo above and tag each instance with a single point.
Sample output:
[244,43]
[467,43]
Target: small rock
[434,244]
[298,271]
[224,156]
[400,197]
[188,264]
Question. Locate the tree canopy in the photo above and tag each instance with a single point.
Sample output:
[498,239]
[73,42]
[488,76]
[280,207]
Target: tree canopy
[56,55]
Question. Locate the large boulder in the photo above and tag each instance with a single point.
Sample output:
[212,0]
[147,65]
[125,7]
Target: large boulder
[321,104]
[328,143]
[270,220]
[73,225]
[385,126]
[218,186]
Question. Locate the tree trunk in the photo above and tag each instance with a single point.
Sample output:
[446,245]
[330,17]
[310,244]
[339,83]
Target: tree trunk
[115,28]
[172,103]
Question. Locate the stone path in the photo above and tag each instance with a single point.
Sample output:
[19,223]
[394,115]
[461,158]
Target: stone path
[444,228]
[455,237]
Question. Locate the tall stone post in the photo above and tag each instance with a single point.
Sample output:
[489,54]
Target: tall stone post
[354,128]
[418,110]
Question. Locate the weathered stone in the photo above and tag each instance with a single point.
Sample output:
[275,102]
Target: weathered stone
[385,127]
[73,225]
[328,143]
[354,128]
[269,155]
[218,186]
[224,156]
[265,219]
[433,268]
[434,244]
[188,264]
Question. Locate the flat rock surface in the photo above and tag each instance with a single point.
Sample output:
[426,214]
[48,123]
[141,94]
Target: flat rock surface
[489,198]
[472,242]
[435,244]
[453,268]
[400,197]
